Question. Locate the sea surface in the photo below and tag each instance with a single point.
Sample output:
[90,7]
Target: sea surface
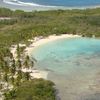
[73,65]
[65,3]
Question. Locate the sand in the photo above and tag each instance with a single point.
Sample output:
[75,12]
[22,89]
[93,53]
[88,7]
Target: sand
[40,41]
[37,41]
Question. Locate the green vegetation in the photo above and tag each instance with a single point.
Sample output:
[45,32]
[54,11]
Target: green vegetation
[21,26]
[15,84]
[36,89]
[25,25]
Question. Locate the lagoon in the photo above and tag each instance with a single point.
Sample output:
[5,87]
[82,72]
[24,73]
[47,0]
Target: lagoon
[73,64]
[67,53]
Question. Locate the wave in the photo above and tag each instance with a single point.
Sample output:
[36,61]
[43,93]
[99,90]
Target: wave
[17,2]
[20,3]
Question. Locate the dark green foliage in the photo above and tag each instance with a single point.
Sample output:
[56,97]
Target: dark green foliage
[10,95]
[4,12]
[37,89]
[25,25]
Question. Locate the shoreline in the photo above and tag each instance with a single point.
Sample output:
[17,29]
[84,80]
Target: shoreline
[37,7]
[38,41]
[41,41]
[35,43]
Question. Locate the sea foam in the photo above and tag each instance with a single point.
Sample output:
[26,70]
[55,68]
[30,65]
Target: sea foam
[17,2]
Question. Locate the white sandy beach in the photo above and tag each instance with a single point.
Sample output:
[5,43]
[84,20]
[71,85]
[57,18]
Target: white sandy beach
[37,41]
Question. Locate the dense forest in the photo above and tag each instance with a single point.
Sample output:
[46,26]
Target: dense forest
[19,26]
[24,25]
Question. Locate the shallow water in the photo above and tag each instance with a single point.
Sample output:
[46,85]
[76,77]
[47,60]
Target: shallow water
[74,66]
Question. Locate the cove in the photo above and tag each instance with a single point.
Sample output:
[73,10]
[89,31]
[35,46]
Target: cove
[73,64]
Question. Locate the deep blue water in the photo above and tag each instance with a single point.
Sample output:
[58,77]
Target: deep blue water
[68,3]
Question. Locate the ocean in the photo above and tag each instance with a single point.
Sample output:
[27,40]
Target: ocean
[64,3]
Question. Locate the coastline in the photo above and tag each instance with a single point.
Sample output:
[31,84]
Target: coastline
[36,42]
[28,7]
[41,41]
[36,7]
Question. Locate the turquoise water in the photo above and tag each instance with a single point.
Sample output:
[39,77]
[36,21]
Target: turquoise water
[73,65]
[67,54]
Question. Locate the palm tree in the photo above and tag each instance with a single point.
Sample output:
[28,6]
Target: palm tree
[26,64]
[19,75]
[18,51]
[12,80]
[27,76]
[32,64]
[19,78]
[1,66]
[13,63]
[6,67]
[6,78]
[1,86]
[27,58]
[19,65]
[11,56]
[12,70]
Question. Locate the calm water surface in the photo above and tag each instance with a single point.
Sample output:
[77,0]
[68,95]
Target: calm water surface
[68,3]
[74,66]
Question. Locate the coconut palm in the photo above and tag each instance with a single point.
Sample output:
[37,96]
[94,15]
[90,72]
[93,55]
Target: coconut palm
[27,76]
[12,80]
[5,77]
[6,67]
[1,86]
[18,51]
[11,56]
[19,75]
[13,63]
[32,64]
[26,64]
[27,58]
[12,70]
[19,65]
